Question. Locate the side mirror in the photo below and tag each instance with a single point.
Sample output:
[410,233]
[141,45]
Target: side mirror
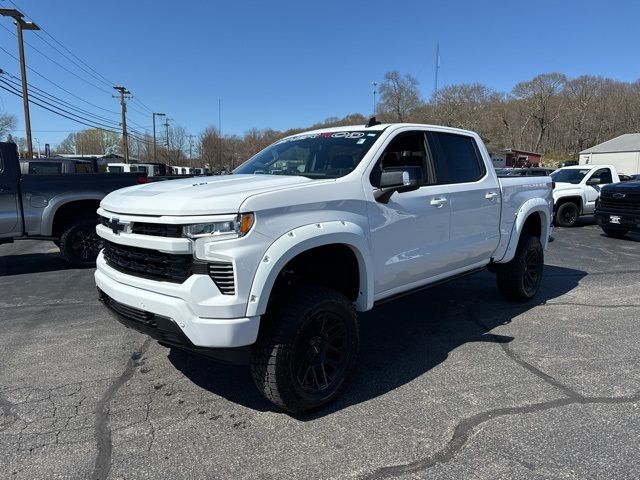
[594,181]
[392,181]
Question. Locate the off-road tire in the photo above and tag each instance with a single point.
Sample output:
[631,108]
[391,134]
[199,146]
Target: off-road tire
[80,244]
[287,331]
[567,215]
[519,280]
[614,232]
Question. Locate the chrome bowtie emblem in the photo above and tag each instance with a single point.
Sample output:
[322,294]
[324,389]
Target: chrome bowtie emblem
[619,195]
[115,226]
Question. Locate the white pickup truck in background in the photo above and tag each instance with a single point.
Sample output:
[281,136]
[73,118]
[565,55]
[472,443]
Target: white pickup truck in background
[577,188]
[270,265]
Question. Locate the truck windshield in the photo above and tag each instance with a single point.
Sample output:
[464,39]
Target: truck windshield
[316,155]
[570,175]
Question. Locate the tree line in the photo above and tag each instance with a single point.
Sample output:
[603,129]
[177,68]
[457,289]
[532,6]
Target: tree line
[550,114]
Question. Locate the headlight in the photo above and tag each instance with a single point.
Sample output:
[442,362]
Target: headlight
[226,230]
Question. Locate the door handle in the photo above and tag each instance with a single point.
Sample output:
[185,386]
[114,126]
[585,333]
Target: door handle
[490,195]
[438,202]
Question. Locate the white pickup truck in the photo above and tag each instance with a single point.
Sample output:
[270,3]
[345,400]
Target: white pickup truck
[577,188]
[270,265]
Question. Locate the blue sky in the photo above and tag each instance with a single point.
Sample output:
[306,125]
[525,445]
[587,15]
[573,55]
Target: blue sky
[284,64]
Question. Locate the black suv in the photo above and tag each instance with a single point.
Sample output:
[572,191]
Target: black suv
[618,209]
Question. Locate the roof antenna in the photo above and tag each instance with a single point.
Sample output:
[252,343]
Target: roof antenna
[372,121]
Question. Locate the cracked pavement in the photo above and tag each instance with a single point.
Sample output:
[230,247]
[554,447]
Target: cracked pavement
[452,383]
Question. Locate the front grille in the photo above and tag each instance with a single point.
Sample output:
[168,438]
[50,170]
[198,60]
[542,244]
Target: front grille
[222,275]
[169,267]
[153,229]
[148,263]
[157,229]
[631,201]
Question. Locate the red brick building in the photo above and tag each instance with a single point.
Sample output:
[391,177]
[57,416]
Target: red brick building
[520,158]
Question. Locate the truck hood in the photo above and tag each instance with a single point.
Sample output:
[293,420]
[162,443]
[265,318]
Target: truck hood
[195,196]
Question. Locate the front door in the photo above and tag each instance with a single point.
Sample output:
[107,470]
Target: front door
[409,234]
[593,184]
[9,218]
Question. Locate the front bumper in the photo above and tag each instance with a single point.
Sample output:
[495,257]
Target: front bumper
[629,220]
[200,331]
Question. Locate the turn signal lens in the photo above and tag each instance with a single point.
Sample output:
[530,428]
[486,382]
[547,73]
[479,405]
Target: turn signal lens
[246,222]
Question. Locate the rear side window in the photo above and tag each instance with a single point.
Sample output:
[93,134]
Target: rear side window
[45,168]
[455,157]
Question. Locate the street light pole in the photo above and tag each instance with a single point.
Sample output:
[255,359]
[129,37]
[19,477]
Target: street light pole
[20,26]
[154,133]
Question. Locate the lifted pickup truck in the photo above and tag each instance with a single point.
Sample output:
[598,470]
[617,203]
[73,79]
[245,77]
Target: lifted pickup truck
[274,261]
[577,189]
[59,208]
[618,209]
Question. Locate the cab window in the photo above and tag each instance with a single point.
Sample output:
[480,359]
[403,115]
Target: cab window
[456,158]
[604,174]
[405,152]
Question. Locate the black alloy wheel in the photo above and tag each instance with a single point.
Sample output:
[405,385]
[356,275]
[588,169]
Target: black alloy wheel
[319,354]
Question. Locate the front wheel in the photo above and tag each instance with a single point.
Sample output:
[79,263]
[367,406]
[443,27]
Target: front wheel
[519,279]
[567,214]
[614,232]
[80,244]
[307,349]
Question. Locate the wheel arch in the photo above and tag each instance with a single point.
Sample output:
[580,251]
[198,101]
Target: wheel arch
[533,218]
[297,242]
[63,209]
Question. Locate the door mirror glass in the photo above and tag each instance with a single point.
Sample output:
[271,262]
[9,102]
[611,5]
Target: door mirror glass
[594,181]
[394,178]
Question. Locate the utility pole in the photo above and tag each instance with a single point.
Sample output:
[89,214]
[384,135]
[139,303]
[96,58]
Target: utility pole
[22,25]
[435,90]
[220,117]
[375,87]
[124,94]
[154,133]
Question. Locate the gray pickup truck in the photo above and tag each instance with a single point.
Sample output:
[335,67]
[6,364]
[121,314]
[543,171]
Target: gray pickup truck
[58,208]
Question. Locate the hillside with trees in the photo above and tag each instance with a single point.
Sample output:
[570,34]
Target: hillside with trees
[550,113]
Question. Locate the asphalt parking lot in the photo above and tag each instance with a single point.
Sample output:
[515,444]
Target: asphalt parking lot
[452,383]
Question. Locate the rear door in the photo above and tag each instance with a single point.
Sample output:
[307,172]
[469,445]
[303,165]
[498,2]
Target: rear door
[474,196]
[10,224]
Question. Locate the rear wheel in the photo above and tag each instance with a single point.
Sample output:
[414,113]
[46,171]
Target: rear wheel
[80,244]
[567,214]
[307,349]
[615,232]
[519,279]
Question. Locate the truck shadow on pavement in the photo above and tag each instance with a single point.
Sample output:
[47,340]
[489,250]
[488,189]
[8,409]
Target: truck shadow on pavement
[33,263]
[399,341]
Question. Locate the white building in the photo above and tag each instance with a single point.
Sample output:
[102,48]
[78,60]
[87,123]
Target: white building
[622,152]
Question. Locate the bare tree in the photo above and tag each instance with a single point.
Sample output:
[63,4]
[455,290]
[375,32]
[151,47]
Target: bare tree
[8,123]
[540,99]
[399,96]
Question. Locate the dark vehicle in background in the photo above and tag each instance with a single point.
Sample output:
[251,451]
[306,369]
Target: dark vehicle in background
[618,209]
[55,207]
[57,166]
[524,172]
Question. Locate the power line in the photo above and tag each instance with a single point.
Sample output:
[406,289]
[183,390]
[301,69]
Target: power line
[55,99]
[58,86]
[115,125]
[105,79]
[57,113]
[58,64]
